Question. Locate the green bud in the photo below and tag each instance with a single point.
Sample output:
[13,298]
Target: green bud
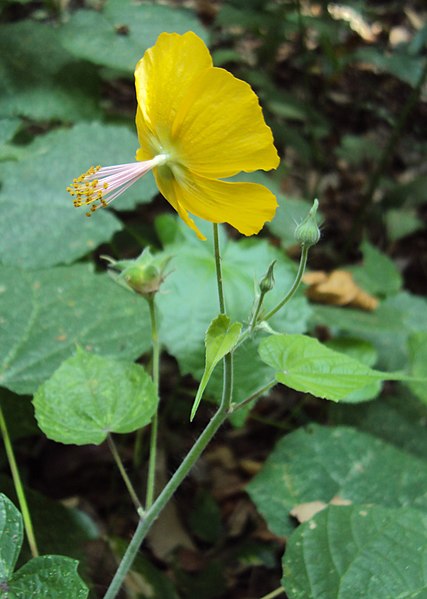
[267,282]
[308,233]
[144,275]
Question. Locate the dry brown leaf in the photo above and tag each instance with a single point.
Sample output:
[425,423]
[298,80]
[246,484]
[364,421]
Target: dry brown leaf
[315,277]
[338,288]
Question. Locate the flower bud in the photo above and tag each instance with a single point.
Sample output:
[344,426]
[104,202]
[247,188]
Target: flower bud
[308,233]
[267,282]
[144,274]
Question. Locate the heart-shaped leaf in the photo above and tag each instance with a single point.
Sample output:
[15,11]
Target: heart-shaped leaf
[90,396]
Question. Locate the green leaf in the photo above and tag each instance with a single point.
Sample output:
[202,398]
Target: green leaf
[59,308]
[398,419]
[405,67]
[417,345]
[358,552]
[306,365]
[118,36]
[90,396]
[36,185]
[11,535]
[401,223]
[48,577]
[364,352]
[378,275]
[220,339]
[39,80]
[249,376]
[388,328]
[8,128]
[356,149]
[189,299]
[319,463]
[60,530]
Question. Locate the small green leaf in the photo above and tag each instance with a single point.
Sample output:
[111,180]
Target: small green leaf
[318,463]
[48,577]
[90,396]
[249,376]
[306,365]
[417,345]
[401,223]
[358,552]
[220,339]
[378,275]
[11,532]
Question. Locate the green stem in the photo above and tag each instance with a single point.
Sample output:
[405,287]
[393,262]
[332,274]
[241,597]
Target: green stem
[123,472]
[193,455]
[256,312]
[151,481]
[153,512]
[253,396]
[218,269]
[296,284]
[275,593]
[18,487]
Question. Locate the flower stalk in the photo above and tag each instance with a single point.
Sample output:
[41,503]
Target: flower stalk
[151,480]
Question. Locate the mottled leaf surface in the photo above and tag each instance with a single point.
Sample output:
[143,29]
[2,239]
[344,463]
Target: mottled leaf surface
[318,463]
[45,314]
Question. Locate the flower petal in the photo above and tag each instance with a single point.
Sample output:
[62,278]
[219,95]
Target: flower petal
[163,75]
[245,206]
[219,129]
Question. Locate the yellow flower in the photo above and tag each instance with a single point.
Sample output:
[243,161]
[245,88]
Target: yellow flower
[197,124]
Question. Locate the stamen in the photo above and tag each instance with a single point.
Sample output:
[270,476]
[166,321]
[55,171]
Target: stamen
[99,186]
